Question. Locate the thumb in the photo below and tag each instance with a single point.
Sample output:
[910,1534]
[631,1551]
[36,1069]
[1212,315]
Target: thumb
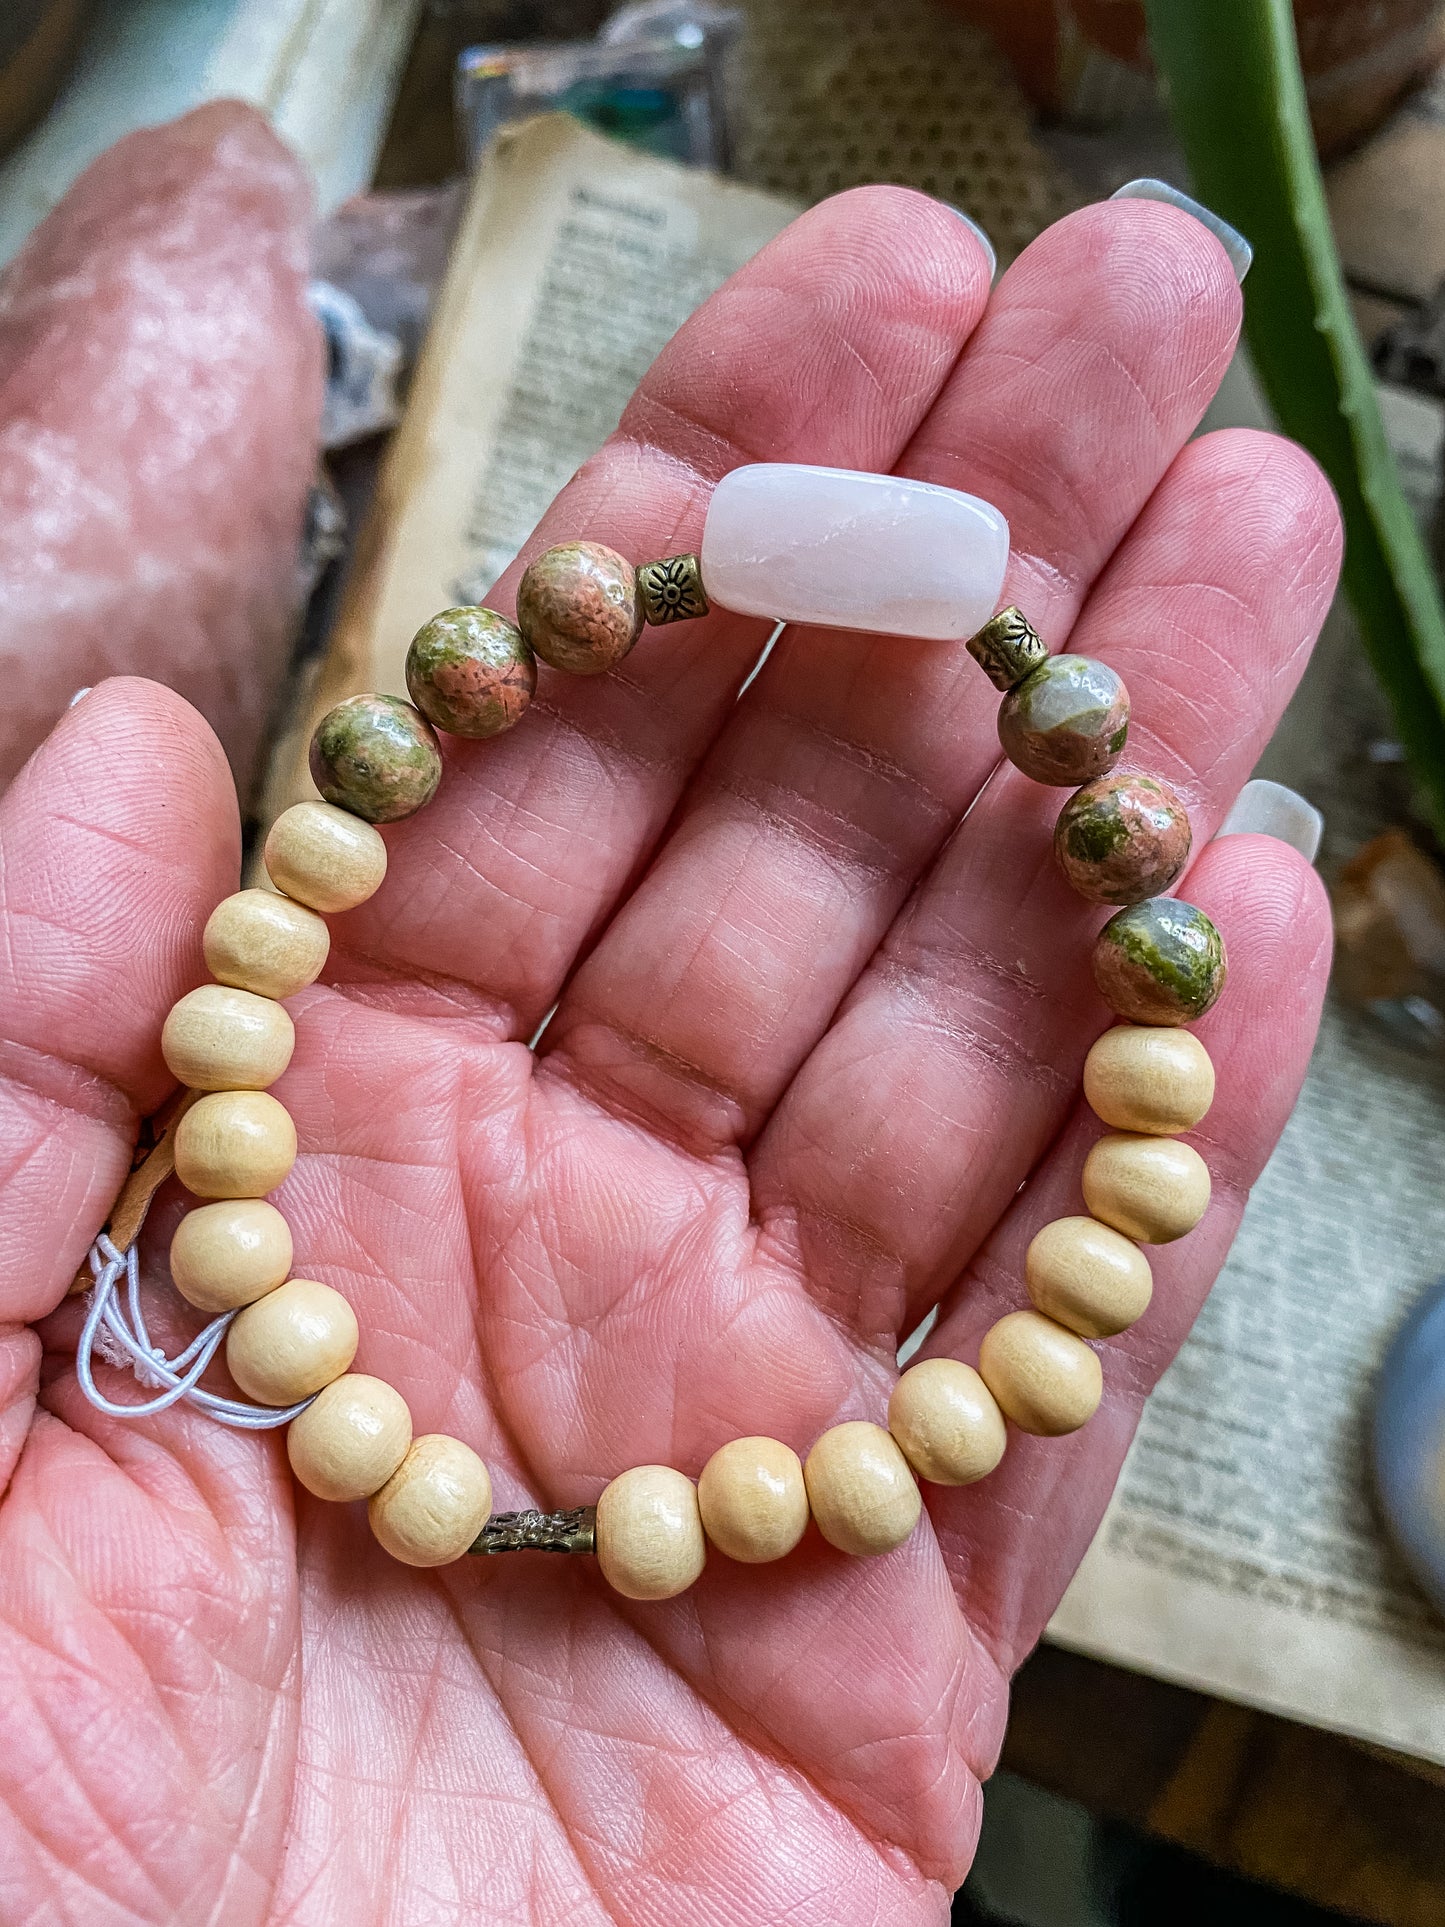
[116,840]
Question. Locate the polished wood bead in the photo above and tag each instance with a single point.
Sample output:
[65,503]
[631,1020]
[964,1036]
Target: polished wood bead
[861,1491]
[947,1422]
[1088,1276]
[434,1504]
[1046,1379]
[350,1440]
[1139,1077]
[265,943]
[230,1254]
[235,1144]
[1150,1188]
[220,1039]
[325,857]
[650,1541]
[290,1343]
[753,1501]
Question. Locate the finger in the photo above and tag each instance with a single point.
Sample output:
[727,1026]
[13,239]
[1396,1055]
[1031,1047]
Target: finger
[852,757]
[116,840]
[955,1060]
[1275,910]
[827,347]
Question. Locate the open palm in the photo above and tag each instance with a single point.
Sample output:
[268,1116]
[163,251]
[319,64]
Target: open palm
[816,1029]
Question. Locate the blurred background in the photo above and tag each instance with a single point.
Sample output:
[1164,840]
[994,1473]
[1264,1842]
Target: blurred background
[306,316]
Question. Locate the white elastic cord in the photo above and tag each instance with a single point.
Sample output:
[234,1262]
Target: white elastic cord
[108,1326]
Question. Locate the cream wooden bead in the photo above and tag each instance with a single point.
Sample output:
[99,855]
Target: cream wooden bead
[434,1504]
[862,1493]
[947,1422]
[290,1343]
[1088,1276]
[753,1501]
[230,1254]
[220,1039]
[347,1444]
[1150,1188]
[1147,1077]
[1046,1379]
[262,942]
[235,1144]
[325,857]
[650,1542]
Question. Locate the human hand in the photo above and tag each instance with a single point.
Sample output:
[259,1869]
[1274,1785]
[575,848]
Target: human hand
[814,1033]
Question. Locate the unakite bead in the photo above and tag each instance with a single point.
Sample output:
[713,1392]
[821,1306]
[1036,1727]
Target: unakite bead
[377,757]
[470,672]
[579,607]
[1122,838]
[1067,722]
[1159,962]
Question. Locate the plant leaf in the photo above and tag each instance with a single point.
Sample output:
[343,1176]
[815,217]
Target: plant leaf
[1237,96]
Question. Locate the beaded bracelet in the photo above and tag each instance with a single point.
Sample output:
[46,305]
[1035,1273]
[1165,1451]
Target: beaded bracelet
[820,546]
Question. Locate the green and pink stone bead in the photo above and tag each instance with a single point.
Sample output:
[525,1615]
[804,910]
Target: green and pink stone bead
[1121,838]
[472,673]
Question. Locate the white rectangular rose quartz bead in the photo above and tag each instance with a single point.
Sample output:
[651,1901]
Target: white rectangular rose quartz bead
[846,550]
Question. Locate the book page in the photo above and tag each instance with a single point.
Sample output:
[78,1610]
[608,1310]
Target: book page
[576,260]
[1242,1553]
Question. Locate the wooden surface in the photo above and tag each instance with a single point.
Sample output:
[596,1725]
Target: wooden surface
[1339,1824]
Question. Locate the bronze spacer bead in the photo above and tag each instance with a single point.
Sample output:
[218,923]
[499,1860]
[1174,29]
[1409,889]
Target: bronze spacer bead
[574,1530]
[1007,648]
[672,590]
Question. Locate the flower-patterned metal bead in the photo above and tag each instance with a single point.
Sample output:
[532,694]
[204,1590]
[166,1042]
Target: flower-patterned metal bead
[579,607]
[672,590]
[1007,648]
[1065,723]
[377,757]
[1160,962]
[1122,838]
[471,672]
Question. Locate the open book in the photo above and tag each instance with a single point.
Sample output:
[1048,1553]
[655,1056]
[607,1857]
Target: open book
[1240,1554]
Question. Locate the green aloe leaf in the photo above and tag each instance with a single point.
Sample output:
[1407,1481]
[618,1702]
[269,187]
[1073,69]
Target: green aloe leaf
[1238,101]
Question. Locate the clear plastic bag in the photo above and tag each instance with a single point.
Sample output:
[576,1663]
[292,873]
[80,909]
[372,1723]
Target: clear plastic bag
[653,76]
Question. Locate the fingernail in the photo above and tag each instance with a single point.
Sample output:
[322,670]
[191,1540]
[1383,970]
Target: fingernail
[78,694]
[1263,808]
[1230,239]
[983,240]
[915,1338]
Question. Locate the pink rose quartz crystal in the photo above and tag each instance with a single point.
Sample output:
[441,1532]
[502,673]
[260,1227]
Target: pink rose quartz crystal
[160,390]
